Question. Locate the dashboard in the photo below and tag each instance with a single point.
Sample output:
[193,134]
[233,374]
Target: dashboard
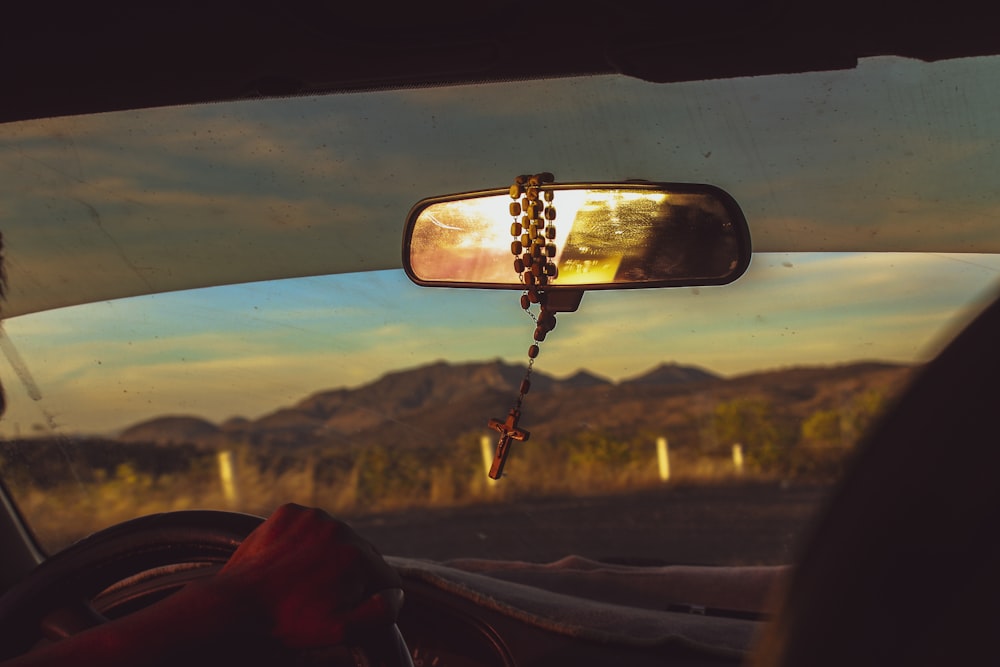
[445,630]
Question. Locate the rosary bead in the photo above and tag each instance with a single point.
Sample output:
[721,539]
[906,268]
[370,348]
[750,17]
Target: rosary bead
[533,248]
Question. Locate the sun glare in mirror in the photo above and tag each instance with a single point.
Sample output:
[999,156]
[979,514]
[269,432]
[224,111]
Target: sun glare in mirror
[604,236]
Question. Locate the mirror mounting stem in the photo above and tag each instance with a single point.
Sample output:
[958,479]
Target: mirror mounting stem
[562,301]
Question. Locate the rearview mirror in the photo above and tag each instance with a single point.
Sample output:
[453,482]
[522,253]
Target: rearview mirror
[606,236]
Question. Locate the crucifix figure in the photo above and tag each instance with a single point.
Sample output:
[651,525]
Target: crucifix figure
[508,431]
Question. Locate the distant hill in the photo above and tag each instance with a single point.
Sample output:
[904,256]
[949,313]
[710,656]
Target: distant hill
[417,388]
[347,412]
[672,373]
[582,379]
[434,403]
[170,430]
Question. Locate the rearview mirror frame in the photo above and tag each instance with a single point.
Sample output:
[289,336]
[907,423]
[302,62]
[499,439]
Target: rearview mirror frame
[740,234]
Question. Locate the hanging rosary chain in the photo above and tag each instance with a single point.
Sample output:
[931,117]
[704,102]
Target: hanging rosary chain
[534,250]
[533,228]
[525,384]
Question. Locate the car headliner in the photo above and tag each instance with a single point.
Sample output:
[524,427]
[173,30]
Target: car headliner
[94,57]
[88,60]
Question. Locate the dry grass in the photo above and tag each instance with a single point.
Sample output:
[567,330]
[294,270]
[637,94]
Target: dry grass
[68,511]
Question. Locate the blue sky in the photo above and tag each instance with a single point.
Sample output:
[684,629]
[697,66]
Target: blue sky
[247,349]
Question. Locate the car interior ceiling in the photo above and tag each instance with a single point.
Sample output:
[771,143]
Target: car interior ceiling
[119,55]
[903,565]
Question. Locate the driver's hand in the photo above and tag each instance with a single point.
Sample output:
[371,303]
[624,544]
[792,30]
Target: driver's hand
[301,580]
[311,579]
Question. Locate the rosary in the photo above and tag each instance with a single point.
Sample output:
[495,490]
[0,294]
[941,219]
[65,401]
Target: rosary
[534,250]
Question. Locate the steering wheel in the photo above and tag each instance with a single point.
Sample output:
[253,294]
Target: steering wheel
[149,557]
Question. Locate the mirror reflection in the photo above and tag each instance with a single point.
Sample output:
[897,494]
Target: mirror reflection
[606,236]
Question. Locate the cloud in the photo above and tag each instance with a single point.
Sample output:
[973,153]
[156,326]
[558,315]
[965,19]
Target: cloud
[247,349]
[822,309]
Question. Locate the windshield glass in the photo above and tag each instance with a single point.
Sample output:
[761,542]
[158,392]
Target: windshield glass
[698,425]
[369,396]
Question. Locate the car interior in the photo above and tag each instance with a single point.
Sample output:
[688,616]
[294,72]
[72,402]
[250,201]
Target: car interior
[899,565]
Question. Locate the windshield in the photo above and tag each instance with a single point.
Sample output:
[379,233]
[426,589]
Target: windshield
[698,425]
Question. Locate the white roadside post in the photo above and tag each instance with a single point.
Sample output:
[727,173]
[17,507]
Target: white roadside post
[486,445]
[663,458]
[228,478]
[738,458]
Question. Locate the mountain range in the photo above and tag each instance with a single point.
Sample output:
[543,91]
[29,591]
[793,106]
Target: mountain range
[435,402]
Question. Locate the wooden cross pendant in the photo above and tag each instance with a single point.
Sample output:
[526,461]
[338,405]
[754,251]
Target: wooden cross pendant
[508,431]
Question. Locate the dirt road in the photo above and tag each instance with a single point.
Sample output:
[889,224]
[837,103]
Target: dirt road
[729,524]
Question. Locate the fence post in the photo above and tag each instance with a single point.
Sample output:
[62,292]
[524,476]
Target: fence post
[663,458]
[486,446]
[738,458]
[228,478]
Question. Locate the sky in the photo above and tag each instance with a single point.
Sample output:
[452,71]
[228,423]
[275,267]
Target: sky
[248,349]
[893,156]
